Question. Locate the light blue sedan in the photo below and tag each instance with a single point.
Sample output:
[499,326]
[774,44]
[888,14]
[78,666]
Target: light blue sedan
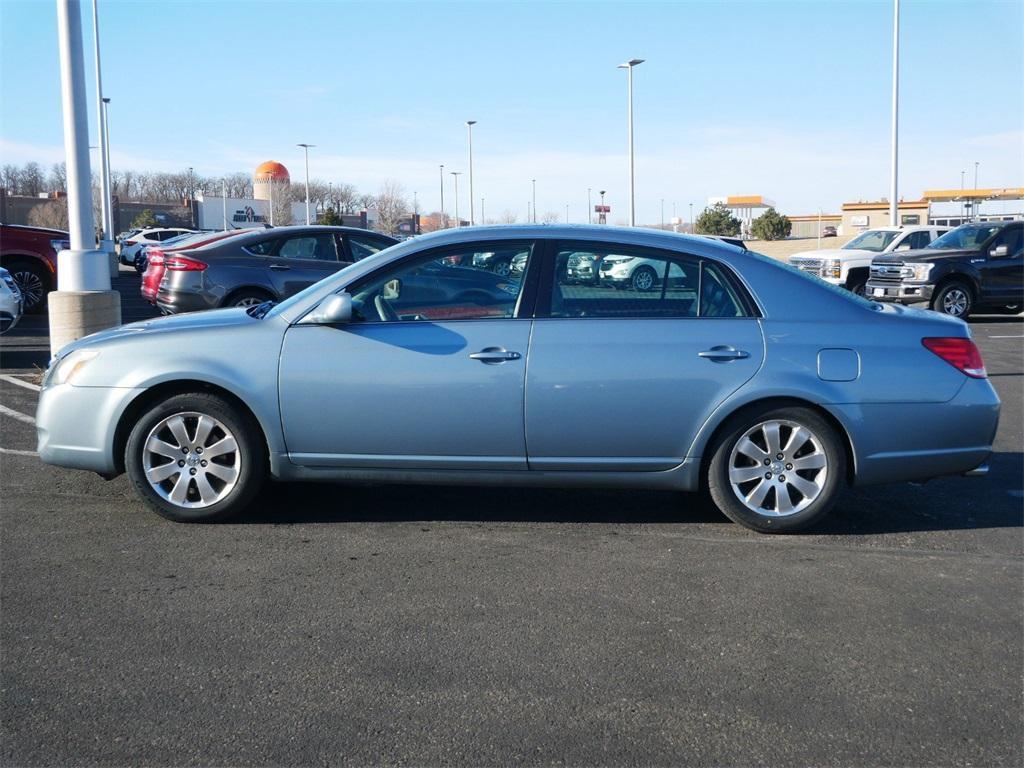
[728,372]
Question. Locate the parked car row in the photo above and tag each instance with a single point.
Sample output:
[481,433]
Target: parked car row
[130,246]
[976,267]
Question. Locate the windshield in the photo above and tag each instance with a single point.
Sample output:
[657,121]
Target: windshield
[876,240]
[967,237]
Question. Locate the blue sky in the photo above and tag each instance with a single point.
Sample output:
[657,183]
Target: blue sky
[785,99]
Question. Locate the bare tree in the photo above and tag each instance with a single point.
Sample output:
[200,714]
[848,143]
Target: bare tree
[50,215]
[391,205]
[550,217]
[346,197]
[239,185]
[32,180]
[10,179]
[507,217]
[58,181]
[281,200]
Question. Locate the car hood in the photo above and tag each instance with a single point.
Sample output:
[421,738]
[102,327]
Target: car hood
[922,254]
[833,253]
[189,321]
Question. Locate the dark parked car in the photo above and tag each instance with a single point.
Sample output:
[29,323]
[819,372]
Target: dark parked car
[263,265]
[976,267]
[30,255]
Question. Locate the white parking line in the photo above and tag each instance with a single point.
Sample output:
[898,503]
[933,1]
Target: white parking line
[16,452]
[5,411]
[1006,337]
[12,380]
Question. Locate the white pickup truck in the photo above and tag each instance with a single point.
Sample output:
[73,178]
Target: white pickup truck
[850,265]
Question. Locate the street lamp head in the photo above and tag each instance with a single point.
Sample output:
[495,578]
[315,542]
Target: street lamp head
[471,122]
[106,99]
[307,146]
[631,63]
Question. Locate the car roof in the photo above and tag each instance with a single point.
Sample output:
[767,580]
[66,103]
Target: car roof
[298,229]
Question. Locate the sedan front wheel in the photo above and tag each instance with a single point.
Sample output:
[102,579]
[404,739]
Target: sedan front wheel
[196,457]
[778,470]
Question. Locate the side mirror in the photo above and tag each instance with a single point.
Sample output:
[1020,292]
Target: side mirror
[335,309]
[999,251]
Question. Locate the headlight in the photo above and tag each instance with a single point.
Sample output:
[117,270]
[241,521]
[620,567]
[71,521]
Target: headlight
[67,368]
[10,283]
[832,268]
[916,271]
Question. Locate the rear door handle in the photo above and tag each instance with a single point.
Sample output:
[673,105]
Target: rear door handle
[280,267]
[494,355]
[723,354]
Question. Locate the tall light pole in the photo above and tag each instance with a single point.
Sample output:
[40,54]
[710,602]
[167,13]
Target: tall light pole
[663,213]
[306,147]
[590,208]
[566,213]
[693,228]
[483,219]
[472,215]
[628,66]
[458,221]
[106,215]
[224,201]
[442,224]
[270,186]
[83,302]
[108,226]
[975,201]
[962,175]
[893,199]
[534,182]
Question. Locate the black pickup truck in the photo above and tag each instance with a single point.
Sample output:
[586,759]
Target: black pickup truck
[976,267]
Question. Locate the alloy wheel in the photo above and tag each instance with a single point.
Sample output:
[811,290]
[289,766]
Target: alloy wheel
[191,460]
[643,280]
[249,301]
[955,302]
[778,468]
[31,286]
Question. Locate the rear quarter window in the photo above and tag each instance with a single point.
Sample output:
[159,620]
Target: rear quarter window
[835,289]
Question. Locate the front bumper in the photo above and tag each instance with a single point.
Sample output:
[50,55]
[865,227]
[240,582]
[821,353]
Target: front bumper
[75,425]
[903,293]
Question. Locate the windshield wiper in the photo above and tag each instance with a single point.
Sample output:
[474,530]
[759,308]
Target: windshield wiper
[259,311]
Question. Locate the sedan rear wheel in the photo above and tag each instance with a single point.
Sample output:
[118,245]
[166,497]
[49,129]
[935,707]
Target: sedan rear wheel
[196,458]
[247,298]
[779,470]
[33,284]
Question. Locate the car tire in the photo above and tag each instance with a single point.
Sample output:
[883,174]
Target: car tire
[857,285]
[748,491]
[502,268]
[643,279]
[247,297]
[955,299]
[139,263]
[33,282]
[218,485]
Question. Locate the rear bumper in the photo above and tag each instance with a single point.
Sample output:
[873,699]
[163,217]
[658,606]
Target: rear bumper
[897,442]
[179,300]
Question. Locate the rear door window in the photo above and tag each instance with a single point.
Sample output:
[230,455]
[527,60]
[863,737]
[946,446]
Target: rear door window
[316,247]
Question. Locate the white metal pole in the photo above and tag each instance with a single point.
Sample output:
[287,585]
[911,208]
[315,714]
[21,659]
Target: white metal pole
[819,228]
[472,215]
[893,199]
[483,219]
[534,182]
[108,227]
[76,147]
[270,183]
[590,209]
[224,201]
[458,221]
[632,189]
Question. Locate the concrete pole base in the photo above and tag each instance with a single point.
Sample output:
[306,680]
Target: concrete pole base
[74,314]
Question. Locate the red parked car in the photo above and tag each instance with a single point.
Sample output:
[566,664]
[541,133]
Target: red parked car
[30,255]
[156,258]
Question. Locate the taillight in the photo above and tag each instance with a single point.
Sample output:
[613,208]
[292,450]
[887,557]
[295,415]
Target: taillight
[183,264]
[128,242]
[962,354]
[155,258]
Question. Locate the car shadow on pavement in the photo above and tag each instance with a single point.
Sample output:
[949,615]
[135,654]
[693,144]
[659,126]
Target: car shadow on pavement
[946,504]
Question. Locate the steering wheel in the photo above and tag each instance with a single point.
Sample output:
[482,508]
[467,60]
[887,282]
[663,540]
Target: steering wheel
[384,310]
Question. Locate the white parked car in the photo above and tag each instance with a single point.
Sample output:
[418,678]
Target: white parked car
[11,303]
[850,265]
[156,235]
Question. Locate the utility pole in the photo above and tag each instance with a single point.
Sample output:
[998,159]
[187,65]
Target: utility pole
[893,199]
[628,66]
[442,224]
[306,148]
[106,214]
[472,215]
[83,302]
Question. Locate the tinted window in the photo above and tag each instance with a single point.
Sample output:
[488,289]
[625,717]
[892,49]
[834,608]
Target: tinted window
[628,283]
[966,237]
[919,239]
[435,288]
[361,247]
[262,248]
[1011,238]
[318,247]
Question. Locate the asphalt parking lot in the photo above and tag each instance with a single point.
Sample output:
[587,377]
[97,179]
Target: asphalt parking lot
[390,625]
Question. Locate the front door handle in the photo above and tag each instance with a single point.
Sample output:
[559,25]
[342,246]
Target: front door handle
[494,355]
[280,267]
[723,354]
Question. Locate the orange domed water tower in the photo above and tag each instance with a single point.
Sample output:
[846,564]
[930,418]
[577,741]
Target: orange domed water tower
[270,172]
